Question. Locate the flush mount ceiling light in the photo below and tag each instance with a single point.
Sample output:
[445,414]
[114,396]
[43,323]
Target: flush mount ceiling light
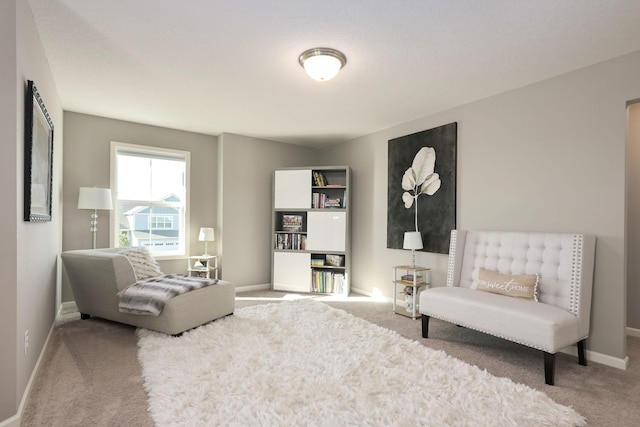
[322,63]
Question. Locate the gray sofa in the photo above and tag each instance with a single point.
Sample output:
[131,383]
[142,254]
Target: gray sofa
[97,275]
[564,265]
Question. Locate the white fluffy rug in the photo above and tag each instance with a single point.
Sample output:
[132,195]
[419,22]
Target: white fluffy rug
[304,363]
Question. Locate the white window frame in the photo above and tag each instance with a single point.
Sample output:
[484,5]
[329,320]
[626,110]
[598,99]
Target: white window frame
[151,152]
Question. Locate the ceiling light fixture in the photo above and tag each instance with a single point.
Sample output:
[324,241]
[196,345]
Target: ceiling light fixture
[322,63]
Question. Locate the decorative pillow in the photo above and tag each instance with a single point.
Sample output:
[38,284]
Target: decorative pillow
[518,286]
[144,265]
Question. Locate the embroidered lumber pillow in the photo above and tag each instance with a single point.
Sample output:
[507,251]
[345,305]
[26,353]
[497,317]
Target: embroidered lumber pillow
[144,265]
[513,285]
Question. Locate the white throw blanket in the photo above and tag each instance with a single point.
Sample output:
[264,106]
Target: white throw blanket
[149,296]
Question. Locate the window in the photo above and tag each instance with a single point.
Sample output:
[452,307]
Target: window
[151,191]
[161,221]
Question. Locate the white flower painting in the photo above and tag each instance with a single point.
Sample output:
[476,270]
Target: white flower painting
[421,187]
[420,179]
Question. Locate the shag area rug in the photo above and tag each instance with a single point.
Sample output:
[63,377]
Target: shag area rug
[304,363]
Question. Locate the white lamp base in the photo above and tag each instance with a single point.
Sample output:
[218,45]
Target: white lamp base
[94,226]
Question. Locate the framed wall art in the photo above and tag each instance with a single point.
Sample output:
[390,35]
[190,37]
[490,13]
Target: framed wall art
[422,187]
[38,157]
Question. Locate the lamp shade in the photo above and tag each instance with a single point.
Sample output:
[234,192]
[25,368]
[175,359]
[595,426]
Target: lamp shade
[322,63]
[207,234]
[412,240]
[95,198]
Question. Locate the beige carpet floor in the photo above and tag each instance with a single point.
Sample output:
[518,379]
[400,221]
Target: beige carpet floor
[90,374]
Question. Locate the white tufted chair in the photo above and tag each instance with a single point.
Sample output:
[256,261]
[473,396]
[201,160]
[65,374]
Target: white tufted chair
[560,317]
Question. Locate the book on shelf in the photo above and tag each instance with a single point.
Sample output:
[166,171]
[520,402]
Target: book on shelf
[292,223]
[408,278]
[291,241]
[322,201]
[317,200]
[333,203]
[327,282]
[319,179]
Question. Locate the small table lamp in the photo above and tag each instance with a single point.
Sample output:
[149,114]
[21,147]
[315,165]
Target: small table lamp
[207,234]
[413,241]
[95,198]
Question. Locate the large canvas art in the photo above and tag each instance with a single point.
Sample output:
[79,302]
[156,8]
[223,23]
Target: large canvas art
[422,187]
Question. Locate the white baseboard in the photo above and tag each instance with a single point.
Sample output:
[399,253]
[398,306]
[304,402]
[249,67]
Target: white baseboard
[15,420]
[263,287]
[67,307]
[372,295]
[594,356]
[11,422]
[633,332]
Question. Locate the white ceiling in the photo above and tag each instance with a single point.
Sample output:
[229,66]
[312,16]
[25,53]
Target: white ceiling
[214,66]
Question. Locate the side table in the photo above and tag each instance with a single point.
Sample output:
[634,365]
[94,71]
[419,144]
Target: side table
[203,266]
[408,281]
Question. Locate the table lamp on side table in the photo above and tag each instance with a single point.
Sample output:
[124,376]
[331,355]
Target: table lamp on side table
[413,241]
[207,234]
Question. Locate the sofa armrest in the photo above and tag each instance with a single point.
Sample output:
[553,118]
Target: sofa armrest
[96,277]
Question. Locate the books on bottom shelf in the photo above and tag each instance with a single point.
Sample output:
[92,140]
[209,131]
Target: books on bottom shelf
[292,241]
[327,282]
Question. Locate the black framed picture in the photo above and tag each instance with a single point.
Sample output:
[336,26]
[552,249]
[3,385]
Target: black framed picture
[422,187]
[38,157]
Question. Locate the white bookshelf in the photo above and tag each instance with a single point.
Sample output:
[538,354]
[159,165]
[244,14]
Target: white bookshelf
[311,228]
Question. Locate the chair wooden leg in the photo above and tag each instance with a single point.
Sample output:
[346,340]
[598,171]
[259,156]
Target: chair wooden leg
[582,359]
[549,367]
[425,326]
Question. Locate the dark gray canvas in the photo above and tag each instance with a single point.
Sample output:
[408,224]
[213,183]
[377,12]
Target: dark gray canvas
[436,213]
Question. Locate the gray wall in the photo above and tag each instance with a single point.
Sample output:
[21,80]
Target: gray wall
[8,174]
[633,217]
[86,164]
[29,261]
[547,157]
[247,166]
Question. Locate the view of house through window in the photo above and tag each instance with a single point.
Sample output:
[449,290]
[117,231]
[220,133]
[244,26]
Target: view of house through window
[150,198]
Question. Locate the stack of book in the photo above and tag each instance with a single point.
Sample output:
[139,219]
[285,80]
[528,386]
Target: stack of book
[333,203]
[408,278]
[292,222]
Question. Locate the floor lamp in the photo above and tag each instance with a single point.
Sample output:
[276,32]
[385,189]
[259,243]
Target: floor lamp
[95,199]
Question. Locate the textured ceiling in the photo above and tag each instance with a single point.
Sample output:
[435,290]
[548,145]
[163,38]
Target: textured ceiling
[214,66]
